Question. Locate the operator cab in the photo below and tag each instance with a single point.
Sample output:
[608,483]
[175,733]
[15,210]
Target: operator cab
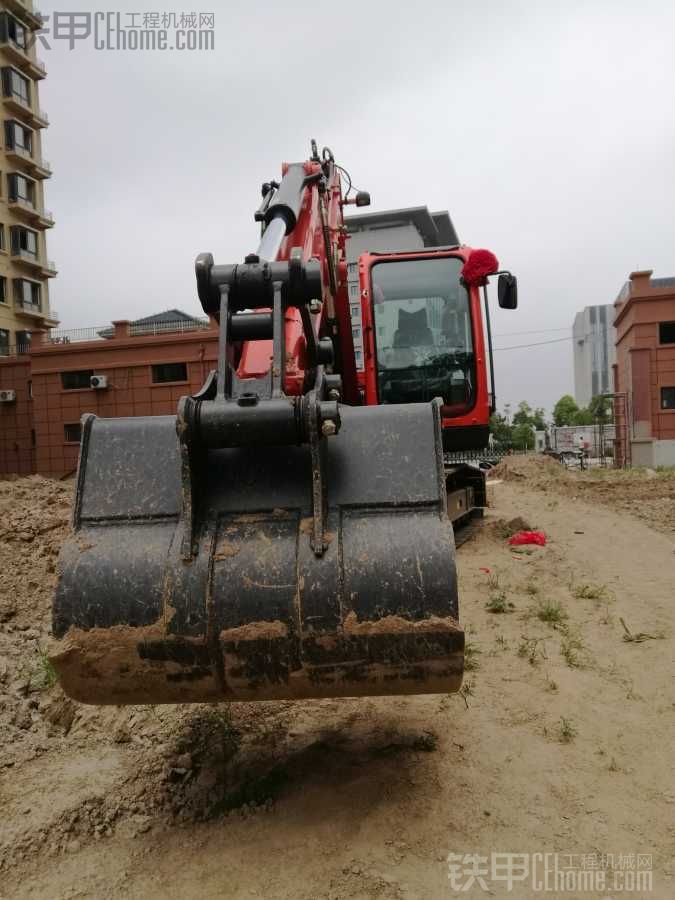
[423,333]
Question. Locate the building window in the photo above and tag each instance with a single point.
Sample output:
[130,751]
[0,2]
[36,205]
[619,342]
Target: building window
[356,313]
[33,441]
[30,389]
[24,241]
[354,291]
[18,137]
[667,332]
[356,333]
[668,398]
[72,433]
[353,270]
[23,339]
[2,239]
[27,294]
[15,85]
[3,285]
[14,31]
[21,188]
[358,358]
[169,372]
[75,381]
[4,342]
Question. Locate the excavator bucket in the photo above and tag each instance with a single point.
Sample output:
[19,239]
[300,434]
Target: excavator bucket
[260,545]
[168,595]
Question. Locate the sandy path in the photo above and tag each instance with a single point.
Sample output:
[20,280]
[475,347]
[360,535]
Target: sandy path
[370,796]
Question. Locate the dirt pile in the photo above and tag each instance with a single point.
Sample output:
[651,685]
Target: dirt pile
[34,515]
[645,493]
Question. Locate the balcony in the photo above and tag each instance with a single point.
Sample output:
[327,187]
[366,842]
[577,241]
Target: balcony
[37,217]
[24,308]
[49,269]
[23,60]
[26,12]
[34,311]
[36,118]
[38,168]
[18,104]
[19,255]
[39,118]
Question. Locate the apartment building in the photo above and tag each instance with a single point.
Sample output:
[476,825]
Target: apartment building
[24,267]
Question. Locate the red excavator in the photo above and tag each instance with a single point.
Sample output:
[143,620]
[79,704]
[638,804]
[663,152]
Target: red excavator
[288,534]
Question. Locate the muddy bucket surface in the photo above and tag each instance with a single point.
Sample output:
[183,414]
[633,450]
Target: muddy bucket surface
[254,612]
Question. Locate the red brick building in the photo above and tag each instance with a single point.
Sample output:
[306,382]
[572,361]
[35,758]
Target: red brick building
[644,373]
[146,374]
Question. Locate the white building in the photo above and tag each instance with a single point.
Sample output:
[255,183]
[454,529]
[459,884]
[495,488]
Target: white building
[593,338]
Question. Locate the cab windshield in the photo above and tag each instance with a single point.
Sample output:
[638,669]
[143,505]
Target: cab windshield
[423,333]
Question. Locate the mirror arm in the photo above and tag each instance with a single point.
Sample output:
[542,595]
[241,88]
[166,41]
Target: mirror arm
[493,397]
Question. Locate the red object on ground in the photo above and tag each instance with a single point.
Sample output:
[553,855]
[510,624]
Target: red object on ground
[528,537]
[478,266]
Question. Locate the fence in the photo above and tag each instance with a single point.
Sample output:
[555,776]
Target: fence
[136,329]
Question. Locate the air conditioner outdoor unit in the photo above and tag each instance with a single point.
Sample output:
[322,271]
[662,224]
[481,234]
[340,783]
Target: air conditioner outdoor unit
[7,396]
[98,382]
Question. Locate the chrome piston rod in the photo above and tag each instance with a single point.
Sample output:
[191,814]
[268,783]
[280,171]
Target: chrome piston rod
[270,243]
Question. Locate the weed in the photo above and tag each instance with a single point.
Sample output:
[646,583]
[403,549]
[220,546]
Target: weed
[640,636]
[567,730]
[44,675]
[613,766]
[470,653]
[551,685]
[531,588]
[588,591]
[499,603]
[501,640]
[571,647]
[551,611]
[529,649]
[493,581]
[465,691]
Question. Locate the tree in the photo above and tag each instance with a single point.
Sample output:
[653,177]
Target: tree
[565,411]
[539,419]
[601,409]
[525,415]
[523,436]
[583,416]
[500,428]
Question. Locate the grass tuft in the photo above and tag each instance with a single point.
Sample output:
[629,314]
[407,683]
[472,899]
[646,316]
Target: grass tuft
[551,611]
[499,603]
[588,591]
[567,731]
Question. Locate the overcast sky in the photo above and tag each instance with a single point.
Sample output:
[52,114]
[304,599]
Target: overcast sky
[546,129]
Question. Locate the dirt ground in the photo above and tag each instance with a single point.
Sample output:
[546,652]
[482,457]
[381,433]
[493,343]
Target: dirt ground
[562,740]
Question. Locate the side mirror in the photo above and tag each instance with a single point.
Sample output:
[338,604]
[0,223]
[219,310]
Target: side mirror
[507,291]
